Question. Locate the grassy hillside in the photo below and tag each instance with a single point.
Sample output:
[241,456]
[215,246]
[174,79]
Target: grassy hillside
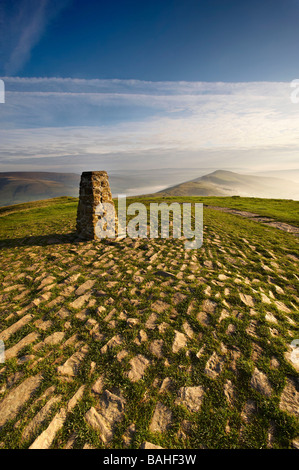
[228,183]
[179,349]
[280,209]
[195,188]
[19,187]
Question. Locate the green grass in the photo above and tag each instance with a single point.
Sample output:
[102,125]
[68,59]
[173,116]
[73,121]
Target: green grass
[34,204]
[283,210]
[38,218]
[255,259]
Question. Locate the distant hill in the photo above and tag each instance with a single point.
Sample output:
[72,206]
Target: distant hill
[18,187]
[22,186]
[228,183]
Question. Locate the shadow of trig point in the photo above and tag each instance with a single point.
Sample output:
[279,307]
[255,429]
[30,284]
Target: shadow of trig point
[92,211]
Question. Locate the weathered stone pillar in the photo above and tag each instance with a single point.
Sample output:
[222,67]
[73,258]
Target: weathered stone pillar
[94,192]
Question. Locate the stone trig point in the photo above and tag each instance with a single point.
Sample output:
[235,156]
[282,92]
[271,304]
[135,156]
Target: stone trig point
[94,191]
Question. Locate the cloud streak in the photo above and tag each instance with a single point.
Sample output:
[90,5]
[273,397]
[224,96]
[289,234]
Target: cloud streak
[24,23]
[131,123]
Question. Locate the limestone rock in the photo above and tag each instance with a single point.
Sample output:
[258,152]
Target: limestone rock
[162,327]
[113,342]
[281,306]
[84,287]
[161,419]
[249,410]
[190,397]
[132,322]
[247,299]
[166,384]
[55,338]
[149,445]
[259,381]
[39,418]
[88,446]
[203,318]
[129,434]
[265,298]
[151,321]
[292,354]
[289,400]
[229,392]
[51,340]
[43,324]
[71,441]
[46,281]
[156,348]
[71,366]
[178,298]
[180,341]
[138,366]
[214,366]
[45,439]
[98,385]
[80,301]
[74,400]
[110,411]
[270,317]
[12,403]
[14,350]
[160,306]
[295,443]
[121,355]
[4,335]
[141,337]
[188,330]
[209,306]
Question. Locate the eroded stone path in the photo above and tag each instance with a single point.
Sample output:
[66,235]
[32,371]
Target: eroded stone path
[142,344]
[258,218]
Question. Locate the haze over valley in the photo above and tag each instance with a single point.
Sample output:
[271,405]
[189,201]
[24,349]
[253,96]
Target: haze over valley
[19,187]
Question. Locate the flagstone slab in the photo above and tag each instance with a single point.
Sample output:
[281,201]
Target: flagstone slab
[14,350]
[191,398]
[72,365]
[139,365]
[5,335]
[260,382]
[180,341]
[110,411]
[214,366]
[162,419]
[39,418]
[17,398]
[289,400]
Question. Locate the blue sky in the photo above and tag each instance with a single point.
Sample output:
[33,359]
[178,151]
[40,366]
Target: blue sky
[157,40]
[136,84]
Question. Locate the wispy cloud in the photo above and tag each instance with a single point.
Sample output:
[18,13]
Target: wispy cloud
[76,124]
[23,24]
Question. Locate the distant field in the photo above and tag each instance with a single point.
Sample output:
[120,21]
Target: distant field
[284,210]
[36,218]
[58,215]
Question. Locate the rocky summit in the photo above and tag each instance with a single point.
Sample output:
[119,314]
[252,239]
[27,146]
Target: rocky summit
[140,343]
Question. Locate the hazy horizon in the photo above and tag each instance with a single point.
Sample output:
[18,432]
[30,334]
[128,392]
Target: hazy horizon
[151,181]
